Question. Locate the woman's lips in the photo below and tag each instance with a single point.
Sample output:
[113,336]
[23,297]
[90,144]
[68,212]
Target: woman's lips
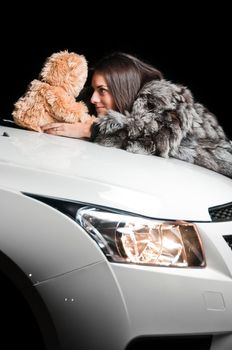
[100,109]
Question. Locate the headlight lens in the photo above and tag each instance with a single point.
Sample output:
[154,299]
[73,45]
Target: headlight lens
[131,239]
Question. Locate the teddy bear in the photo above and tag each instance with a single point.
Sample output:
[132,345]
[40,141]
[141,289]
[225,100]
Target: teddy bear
[52,97]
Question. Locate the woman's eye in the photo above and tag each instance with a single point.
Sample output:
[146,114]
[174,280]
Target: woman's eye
[102,91]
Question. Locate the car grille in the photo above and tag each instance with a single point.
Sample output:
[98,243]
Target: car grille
[221,212]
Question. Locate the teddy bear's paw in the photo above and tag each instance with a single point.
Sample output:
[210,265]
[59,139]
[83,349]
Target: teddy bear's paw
[87,119]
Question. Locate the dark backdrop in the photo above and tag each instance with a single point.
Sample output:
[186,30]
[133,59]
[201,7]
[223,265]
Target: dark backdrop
[191,48]
[188,45]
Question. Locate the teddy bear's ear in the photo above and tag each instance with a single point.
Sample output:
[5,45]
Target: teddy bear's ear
[71,63]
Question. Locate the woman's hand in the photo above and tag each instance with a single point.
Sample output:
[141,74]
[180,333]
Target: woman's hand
[77,130]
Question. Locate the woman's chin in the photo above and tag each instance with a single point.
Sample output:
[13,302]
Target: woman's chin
[101,111]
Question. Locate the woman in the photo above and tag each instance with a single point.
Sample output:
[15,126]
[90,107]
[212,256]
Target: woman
[141,112]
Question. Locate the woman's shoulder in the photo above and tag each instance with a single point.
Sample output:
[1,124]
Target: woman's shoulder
[166,89]
[162,84]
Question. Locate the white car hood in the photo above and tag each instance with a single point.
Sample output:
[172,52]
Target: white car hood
[82,171]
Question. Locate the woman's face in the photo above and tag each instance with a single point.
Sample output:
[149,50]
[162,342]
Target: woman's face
[101,97]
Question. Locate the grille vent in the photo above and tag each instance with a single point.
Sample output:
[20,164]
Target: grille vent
[228,239]
[221,212]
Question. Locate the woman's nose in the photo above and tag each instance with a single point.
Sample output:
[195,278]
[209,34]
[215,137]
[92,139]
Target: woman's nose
[95,98]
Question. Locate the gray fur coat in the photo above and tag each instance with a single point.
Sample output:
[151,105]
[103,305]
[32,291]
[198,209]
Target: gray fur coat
[167,122]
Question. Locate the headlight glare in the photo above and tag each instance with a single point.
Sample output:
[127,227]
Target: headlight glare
[131,239]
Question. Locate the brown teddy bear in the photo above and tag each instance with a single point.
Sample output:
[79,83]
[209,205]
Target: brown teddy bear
[52,97]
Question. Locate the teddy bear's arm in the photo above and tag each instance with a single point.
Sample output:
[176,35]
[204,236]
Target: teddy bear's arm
[64,107]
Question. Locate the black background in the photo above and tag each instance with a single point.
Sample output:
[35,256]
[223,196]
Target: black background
[190,45]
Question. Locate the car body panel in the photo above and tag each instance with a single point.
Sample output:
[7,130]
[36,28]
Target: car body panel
[44,242]
[79,170]
[88,308]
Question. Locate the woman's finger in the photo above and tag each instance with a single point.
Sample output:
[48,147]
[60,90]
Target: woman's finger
[50,126]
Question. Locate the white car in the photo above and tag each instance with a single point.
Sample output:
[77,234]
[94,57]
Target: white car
[114,250]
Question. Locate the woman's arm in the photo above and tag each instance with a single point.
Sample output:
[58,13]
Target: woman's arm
[77,130]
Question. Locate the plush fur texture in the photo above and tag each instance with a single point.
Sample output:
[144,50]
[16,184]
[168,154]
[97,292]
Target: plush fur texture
[165,121]
[52,97]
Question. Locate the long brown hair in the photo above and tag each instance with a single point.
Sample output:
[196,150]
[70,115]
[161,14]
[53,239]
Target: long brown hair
[125,75]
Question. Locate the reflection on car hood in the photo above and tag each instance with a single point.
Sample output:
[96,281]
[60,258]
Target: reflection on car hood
[83,171]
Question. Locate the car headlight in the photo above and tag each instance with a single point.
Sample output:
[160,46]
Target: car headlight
[131,239]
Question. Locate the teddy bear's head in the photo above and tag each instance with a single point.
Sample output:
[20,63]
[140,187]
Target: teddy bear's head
[65,69]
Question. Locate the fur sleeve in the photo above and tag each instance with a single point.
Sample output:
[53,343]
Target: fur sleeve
[161,116]
[112,130]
